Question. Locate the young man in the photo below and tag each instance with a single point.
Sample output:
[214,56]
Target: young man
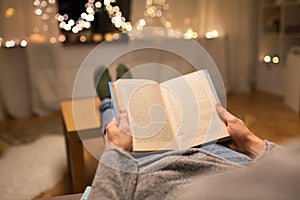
[169,175]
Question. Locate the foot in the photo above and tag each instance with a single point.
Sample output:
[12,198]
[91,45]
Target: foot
[101,79]
[123,72]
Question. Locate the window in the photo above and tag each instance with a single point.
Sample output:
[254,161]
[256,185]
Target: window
[95,30]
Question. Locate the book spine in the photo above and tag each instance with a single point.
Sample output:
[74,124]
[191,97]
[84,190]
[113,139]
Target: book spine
[213,86]
[114,105]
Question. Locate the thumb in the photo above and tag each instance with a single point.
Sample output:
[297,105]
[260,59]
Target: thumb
[124,125]
[226,116]
[221,112]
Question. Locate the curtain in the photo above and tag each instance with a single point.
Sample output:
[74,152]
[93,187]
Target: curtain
[30,81]
[236,21]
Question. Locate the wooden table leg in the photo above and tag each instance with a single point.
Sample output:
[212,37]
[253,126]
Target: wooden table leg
[76,162]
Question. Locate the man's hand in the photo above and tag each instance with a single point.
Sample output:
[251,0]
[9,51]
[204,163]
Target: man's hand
[119,135]
[242,137]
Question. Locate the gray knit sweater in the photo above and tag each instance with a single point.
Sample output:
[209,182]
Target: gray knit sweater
[165,176]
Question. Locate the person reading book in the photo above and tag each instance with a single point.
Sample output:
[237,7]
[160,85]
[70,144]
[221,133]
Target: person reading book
[121,176]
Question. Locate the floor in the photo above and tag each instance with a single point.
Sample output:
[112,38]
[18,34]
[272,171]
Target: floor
[265,114]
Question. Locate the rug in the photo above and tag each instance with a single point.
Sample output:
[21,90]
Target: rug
[27,170]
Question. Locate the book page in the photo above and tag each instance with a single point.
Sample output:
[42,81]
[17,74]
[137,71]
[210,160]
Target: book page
[148,119]
[191,101]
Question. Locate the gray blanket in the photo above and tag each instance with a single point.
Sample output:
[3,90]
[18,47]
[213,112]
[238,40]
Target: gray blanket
[166,176]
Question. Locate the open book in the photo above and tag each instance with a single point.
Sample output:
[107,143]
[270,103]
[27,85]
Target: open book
[173,115]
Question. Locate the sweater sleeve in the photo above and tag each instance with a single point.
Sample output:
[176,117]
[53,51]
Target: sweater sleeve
[269,147]
[116,176]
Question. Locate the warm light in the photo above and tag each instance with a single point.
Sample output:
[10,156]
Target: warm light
[275,59]
[116,9]
[98,4]
[116,36]
[83,15]
[66,17]
[24,43]
[97,37]
[71,22]
[215,33]
[37,38]
[36,2]
[10,43]
[90,17]
[142,22]
[188,34]
[38,11]
[149,2]
[106,2]
[43,4]
[52,40]
[82,38]
[267,59]
[108,37]
[62,24]
[75,29]
[85,18]
[67,27]
[187,21]
[212,34]
[195,35]
[208,35]
[90,10]
[60,18]
[151,10]
[87,25]
[117,20]
[61,38]
[128,27]
[9,12]
[168,24]
[51,1]
[158,13]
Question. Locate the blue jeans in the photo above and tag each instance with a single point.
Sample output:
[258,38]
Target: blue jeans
[106,114]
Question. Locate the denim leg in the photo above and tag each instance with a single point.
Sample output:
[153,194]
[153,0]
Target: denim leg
[106,113]
[227,153]
[216,149]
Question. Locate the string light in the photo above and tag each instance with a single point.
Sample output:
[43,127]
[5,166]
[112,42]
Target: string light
[275,59]
[268,59]
[24,43]
[190,34]
[159,10]
[154,9]
[85,19]
[212,34]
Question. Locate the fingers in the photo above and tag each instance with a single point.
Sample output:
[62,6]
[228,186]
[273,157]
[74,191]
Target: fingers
[124,125]
[113,127]
[123,117]
[221,111]
[118,135]
[226,116]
